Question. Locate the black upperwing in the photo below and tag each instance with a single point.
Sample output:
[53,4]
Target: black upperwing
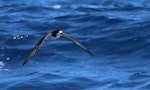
[77,43]
[35,49]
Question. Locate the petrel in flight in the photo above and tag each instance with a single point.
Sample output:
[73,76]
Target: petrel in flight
[53,36]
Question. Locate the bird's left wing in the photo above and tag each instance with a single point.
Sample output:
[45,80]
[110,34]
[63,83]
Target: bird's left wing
[35,49]
[76,42]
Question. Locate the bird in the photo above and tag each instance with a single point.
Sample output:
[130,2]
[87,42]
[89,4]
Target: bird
[56,34]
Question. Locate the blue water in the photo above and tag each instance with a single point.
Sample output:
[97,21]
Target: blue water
[116,31]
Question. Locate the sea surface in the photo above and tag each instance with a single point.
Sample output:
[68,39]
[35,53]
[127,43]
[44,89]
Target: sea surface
[117,32]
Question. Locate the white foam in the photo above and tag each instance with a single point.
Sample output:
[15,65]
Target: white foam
[57,6]
[14,37]
[1,64]
[8,58]
[20,36]
[1,67]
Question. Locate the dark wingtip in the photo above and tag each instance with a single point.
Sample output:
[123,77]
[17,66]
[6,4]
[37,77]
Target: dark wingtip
[92,54]
[24,63]
[89,52]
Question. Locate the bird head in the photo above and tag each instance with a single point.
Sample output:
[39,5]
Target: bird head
[57,33]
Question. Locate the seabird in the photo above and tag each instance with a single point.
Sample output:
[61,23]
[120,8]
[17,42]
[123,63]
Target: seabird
[53,36]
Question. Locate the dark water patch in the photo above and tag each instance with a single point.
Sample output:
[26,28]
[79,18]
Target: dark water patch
[89,82]
[15,41]
[3,86]
[46,25]
[87,8]
[3,38]
[126,9]
[68,17]
[92,18]
[85,18]
[11,56]
[5,18]
[50,57]
[129,7]
[63,59]
[28,9]
[29,74]
[126,42]
[115,21]
[43,76]
[24,2]
[31,85]
[126,85]
[46,81]
[125,4]
[138,76]
[132,64]
[110,6]
[46,86]
[146,87]
[47,76]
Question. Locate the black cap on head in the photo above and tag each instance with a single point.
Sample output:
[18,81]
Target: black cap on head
[54,33]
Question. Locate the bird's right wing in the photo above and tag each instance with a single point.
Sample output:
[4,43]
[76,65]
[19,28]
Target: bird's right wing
[35,49]
[76,42]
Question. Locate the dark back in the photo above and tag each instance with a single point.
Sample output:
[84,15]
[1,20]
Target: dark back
[54,33]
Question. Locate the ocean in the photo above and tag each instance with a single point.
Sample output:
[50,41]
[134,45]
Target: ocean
[117,32]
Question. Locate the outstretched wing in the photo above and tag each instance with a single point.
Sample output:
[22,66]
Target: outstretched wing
[37,46]
[77,43]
